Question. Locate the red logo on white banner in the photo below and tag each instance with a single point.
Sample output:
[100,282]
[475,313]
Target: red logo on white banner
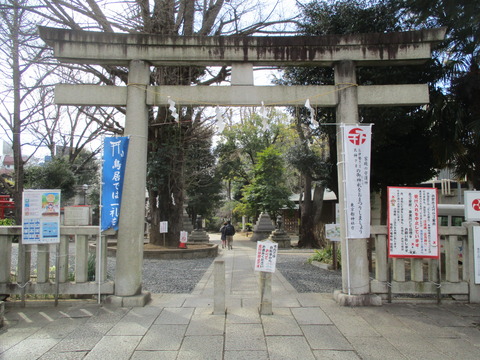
[357,136]
[476,204]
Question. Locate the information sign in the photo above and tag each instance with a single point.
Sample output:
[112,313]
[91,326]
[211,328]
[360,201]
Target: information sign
[332,232]
[412,222]
[163,227]
[41,217]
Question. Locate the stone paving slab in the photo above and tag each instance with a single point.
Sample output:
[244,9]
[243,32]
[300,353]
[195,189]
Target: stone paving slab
[175,316]
[289,347]
[163,337]
[114,348]
[154,355]
[244,337]
[201,348]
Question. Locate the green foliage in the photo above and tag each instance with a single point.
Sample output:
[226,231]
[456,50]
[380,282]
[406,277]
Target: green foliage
[455,114]
[267,192]
[325,256]
[7,222]
[400,133]
[239,157]
[203,183]
[55,174]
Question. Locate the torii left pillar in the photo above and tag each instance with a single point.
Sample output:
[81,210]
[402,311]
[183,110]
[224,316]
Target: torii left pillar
[128,272]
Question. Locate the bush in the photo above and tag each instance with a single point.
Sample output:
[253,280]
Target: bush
[325,255]
[7,222]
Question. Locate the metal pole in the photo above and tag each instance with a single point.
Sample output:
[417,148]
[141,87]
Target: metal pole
[57,274]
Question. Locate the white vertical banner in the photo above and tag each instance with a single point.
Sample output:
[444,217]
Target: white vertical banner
[357,151]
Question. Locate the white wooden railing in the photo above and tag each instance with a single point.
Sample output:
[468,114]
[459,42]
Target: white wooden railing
[452,274]
[28,278]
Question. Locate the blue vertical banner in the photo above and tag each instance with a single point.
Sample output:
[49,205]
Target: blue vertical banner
[114,161]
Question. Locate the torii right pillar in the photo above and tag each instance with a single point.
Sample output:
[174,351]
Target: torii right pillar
[355,276]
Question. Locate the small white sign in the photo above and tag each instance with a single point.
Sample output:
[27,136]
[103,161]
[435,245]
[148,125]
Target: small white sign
[472,205]
[266,257]
[163,227]
[77,215]
[333,232]
[476,253]
[183,236]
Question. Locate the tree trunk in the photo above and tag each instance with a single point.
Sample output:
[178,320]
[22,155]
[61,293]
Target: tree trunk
[17,145]
[307,236]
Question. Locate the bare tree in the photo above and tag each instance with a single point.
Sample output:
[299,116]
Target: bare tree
[167,141]
[20,52]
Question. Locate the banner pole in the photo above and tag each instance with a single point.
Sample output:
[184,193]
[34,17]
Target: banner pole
[345,208]
[99,242]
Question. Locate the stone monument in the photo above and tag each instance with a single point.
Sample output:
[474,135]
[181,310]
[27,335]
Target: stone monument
[198,234]
[280,236]
[263,228]
[186,223]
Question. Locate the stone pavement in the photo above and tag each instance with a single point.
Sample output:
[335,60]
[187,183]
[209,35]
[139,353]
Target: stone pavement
[181,326]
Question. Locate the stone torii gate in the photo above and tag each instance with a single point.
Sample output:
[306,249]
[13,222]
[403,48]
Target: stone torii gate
[140,51]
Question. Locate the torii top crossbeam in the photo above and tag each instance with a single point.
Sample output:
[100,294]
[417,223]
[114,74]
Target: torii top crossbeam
[118,49]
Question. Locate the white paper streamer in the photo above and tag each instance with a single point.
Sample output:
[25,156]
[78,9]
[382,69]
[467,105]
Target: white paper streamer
[173,109]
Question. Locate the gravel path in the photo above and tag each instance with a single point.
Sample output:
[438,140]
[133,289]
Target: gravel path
[305,277]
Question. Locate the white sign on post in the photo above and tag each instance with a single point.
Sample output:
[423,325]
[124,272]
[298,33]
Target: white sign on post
[476,253]
[332,232]
[472,205]
[412,222]
[183,236]
[163,227]
[266,256]
[41,217]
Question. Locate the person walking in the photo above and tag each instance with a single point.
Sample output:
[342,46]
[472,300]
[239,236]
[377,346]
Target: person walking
[223,236]
[229,232]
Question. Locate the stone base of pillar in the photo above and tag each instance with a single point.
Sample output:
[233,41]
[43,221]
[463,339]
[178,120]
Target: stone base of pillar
[197,236]
[129,301]
[281,238]
[356,300]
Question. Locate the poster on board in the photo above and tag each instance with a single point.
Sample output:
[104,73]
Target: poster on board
[41,217]
[357,145]
[412,222]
